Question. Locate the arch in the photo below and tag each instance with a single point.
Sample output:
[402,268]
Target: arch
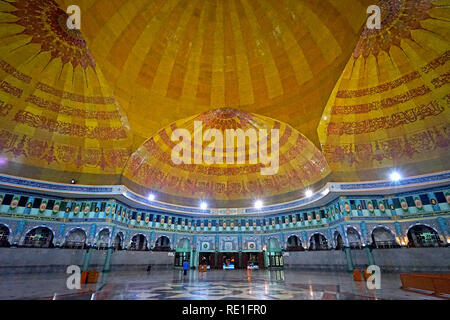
[162,244]
[383,238]
[294,243]
[118,241]
[354,238]
[184,244]
[39,237]
[273,244]
[103,238]
[338,241]
[138,242]
[422,235]
[4,235]
[75,238]
[318,241]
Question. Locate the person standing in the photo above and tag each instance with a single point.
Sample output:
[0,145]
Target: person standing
[185,266]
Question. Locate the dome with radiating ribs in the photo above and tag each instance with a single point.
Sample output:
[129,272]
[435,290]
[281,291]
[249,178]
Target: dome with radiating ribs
[58,119]
[168,60]
[152,170]
[390,108]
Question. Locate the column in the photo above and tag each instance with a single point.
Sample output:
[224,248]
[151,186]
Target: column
[348,257]
[107,265]
[87,259]
[369,255]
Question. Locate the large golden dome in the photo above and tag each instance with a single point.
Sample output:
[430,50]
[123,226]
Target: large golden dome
[152,170]
[170,59]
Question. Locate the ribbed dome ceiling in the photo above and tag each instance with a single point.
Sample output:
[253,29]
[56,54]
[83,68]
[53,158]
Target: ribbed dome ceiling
[167,60]
[151,168]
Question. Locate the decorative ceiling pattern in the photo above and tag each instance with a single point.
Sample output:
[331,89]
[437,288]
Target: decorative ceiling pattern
[168,60]
[58,118]
[390,107]
[151,169]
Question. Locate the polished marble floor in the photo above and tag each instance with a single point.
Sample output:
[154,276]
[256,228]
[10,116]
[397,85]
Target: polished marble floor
[212,285]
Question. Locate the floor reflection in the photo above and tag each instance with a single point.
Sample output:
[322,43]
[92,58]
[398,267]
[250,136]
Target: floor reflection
[213,284]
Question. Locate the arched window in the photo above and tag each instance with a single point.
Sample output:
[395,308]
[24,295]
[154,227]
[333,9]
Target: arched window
[338,241]
[423,236]
[382,238]
[76,239]
[294,244]
[40,237]
[103,239]
[4,234]
[138,243]
[318,242]
[354,240]
[118,241]
[162,244]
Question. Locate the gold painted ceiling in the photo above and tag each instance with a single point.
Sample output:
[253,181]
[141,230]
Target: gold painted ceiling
[58,118]
[77,104]
[390,107]
[170,59]
[151,170]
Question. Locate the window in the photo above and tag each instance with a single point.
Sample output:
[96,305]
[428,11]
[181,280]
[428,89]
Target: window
[50,204]
[410,201]
[363,204]
[63,206]
[352,204]
[424,198]
[440,197]
[375,203]
[23,201]
[37,203]
[7,200]
[396,203]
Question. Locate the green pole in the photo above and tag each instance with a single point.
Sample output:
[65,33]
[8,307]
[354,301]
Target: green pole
[266,259]
[369,255]
[107,266]
[86,259]
[348,256]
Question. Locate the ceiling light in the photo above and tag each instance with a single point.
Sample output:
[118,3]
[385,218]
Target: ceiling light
[308,193]
[258,204]
[395,176]
[203,205]
[151,197]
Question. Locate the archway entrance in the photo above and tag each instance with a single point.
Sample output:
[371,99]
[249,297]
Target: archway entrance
[382,238]
[423,236]
[182,252]
[338,241]
[76,239]
[138,243]
[274,254]
[162,244]
[40,237]
[4,234]
[318,242]
[354,240]
[118,241]
[294,244]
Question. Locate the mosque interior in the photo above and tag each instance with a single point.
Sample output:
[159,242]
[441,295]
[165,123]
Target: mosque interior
[117,153]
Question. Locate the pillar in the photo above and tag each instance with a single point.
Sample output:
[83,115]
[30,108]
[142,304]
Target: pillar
[348,257]
[240,259]
[266,259]
[369,255]
[107,265]
[87,259]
